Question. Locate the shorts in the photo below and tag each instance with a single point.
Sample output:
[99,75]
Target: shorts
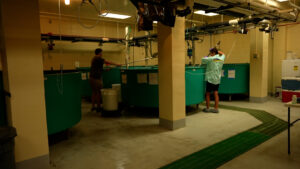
[211,87]
[96,84]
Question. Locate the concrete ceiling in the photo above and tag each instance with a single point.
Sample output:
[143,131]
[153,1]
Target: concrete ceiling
[126,7]
[117,6]
[87,10]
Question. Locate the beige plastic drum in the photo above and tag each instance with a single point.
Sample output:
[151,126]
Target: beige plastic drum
[117,87]
[109,99]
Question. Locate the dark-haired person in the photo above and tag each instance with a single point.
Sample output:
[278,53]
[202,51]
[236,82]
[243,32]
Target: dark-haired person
[214,63]
[96,78]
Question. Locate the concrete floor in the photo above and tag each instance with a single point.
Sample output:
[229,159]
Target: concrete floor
[135,141]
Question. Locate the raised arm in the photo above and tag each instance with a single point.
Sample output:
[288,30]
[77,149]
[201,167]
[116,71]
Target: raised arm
[208,59]
[221,53]
[111,63]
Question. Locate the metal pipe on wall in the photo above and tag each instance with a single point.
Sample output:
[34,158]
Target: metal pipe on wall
[193,52]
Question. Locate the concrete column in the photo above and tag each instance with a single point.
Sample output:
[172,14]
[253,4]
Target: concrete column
[171,61]
[21,55]
[259,56]
[271,87]
[279,54]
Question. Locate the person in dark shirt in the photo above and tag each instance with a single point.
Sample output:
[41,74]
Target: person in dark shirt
[96,78]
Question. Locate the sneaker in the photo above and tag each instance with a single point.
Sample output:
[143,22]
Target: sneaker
[214,110]
[206,110]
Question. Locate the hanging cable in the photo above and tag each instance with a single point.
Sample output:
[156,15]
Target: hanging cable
[59,81]
[232,47]
[99,11]
[59,16]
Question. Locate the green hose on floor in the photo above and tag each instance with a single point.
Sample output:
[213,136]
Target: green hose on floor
[218,154]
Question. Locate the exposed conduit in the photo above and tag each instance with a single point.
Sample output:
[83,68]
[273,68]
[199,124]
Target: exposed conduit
[294,5]
[258,6]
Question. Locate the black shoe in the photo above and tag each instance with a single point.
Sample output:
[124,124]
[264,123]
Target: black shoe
[99,110]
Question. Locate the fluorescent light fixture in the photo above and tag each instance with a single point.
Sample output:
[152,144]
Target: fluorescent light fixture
[269,2]
[67,2]
[282,0]
[272,3]
[201,12]
[115,16]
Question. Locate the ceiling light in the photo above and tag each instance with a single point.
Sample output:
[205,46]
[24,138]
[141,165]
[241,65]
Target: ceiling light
[201,12]
[115,16]
[269,2]
[282,0]
[67,2]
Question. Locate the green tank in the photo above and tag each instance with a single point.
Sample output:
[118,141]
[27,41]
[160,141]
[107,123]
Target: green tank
[194,85]
[110,76]
[86,90]
[235,79]
[144,94]
[63,101]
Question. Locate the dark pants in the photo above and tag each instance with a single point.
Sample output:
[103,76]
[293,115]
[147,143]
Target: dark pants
[211,87]
[96,85]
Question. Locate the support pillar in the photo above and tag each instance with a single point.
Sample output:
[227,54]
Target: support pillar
[259,56]
[21,55]
[171,62]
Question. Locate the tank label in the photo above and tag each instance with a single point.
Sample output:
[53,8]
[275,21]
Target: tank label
[153,78]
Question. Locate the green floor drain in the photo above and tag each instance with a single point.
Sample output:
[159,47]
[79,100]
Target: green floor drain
[226,150]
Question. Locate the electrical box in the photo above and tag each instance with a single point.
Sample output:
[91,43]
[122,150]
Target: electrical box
[255,56]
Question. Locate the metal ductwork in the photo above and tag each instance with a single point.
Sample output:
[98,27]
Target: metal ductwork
[47,37]
[294,5]
[221,10]
[258,9]
[223,24]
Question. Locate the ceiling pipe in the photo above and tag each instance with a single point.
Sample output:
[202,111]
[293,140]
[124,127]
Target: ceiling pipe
[294,5]
[195,21]
[281,13]
[210,28]
[46,37]
[256,4]
[259,8]
[50,15]
[221,10]
[224,24]
[286,11]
